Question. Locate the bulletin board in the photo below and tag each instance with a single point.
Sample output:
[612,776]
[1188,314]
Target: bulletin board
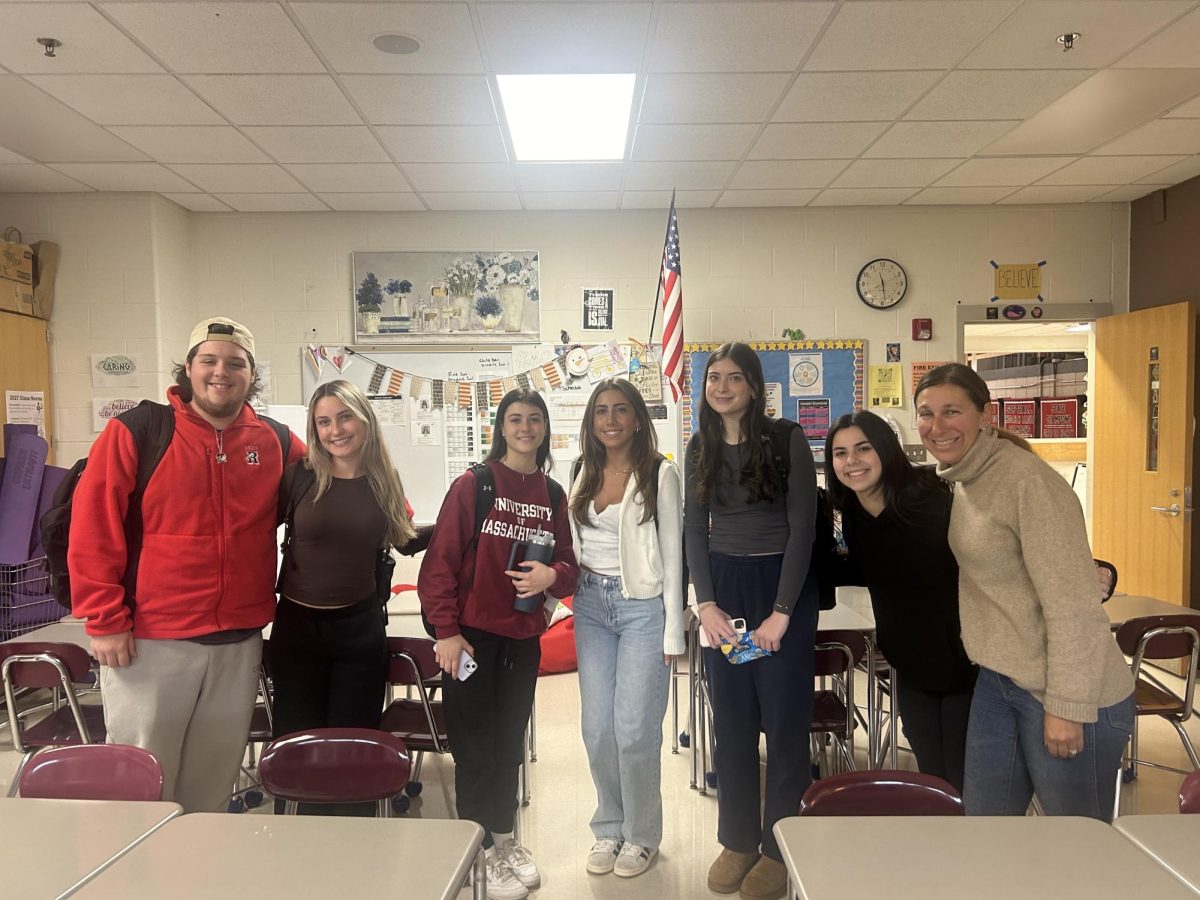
[810,382]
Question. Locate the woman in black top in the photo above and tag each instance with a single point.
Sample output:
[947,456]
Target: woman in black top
[749,540]
[894,519]
[328,650]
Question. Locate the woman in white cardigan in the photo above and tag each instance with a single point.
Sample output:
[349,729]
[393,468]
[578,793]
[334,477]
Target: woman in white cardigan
[627,527]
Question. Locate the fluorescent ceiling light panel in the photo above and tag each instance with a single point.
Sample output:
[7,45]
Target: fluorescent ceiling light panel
[553,118]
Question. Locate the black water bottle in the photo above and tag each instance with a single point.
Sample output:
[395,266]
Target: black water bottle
[539,548]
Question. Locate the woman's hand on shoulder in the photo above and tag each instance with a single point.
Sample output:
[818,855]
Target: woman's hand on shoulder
[771,631]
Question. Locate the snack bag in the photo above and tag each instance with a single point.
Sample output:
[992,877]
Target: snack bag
[744,649]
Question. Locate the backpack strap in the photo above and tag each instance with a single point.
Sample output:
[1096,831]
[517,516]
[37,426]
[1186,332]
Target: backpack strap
[283,433]
[777,444]
[293,490]
[485,495]
[152,426]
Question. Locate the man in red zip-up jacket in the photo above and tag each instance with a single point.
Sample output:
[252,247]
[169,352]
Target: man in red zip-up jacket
[179,660]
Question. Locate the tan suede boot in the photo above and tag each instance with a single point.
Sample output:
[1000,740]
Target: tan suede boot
[767,880]
[726,873]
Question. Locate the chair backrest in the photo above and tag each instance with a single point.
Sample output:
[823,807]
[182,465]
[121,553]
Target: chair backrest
[1107,574]
[34,668]
[838,649]
[411,660]
[1189,794]
[93,772]
[335,765]
[881,792]
[1159,637]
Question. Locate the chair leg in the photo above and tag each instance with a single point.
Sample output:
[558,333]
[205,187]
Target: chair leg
[383,809]
[674,705]
[533,733]
[416,771]
[1133,749]
[16,779]
[1117,795]
[1187,743]
[291,807]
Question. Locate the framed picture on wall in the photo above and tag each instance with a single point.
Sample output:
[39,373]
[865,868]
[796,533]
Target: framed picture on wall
[446,297]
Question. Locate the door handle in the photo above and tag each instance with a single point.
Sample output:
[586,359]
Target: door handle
[1172,510]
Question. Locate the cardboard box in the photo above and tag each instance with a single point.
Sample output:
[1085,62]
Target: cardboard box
[16,262]
[16,297]
[45,270]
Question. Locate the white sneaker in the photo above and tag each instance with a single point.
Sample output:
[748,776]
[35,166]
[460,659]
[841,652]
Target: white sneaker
[603,855]
[633,860]
[520,862]
[501,883]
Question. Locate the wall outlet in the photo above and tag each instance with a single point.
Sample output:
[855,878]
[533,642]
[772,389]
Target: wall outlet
[916,453]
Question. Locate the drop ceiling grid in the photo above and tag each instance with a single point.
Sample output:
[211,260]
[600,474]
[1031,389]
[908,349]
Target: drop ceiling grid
[285,105]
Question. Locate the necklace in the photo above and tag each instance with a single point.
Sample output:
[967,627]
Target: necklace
[510,466]
[220,448]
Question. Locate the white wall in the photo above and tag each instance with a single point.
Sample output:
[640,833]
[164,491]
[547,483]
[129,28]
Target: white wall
[137,269]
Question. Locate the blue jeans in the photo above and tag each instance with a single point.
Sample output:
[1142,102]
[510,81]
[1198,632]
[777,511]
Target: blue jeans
[1007,759]
[623,698]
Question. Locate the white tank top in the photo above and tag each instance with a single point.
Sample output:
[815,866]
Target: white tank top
[599,549]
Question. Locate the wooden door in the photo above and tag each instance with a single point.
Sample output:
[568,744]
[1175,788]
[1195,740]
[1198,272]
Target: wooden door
[1143,428]
[25,365]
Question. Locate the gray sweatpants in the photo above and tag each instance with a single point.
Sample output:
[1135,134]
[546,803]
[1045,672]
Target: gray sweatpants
[190,705]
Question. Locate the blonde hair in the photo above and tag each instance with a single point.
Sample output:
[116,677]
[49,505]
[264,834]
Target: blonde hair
[376,461]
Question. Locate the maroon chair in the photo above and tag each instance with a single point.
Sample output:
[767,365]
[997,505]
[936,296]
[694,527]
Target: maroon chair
[93,772]
[58,667]
[335,765]
[838,653]
[416,718]
[1189,794]
[1107,573]
[881,792]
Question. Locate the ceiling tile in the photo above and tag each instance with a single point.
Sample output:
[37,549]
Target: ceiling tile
[459,177]
[816,140]
[7,157]
[456,200]
[564,38]
[565,177]
[783,174]
[696,176]
[735,37]
[1130,192]
[223,38]
[276,99]
[423,99]
[672,98]
[350,178]
[39,179]
[273,202]
[878,173]
[1173,48]
[318,143]
[1159,136]
[240,179]
[1004,171]
[372,202]
[936,139]
[1028,38]
[995,95]
[1188,110]
[957,196]
[1110,169]
[444,143]
[852,96]
[191,143]
[343,33]
[679,142]
[126,176]
[766,198]
[129,99]
[572,200]
[862,196]
[1041,193]
[662,199]
[90,42]
[52,132]
[198,202]
[919,34]
[1189,168]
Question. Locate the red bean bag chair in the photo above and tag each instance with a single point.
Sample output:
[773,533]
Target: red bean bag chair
[558,645]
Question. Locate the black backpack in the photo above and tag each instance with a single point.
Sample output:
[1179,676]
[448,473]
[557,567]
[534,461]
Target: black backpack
[152,426]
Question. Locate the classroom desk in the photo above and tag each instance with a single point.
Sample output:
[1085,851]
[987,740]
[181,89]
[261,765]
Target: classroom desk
[1122,607]
[1172,841]
[68,632]
[984,858]
[50,846]
[205,855]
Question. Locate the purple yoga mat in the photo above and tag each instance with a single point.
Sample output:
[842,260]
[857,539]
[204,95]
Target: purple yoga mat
[11,431]
[26,455]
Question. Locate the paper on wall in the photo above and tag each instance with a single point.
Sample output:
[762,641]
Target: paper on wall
[105,408]
[27,408]
[807,375]
[111,370]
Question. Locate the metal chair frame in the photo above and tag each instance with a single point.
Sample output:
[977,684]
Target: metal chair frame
[833,646]
[1185,702]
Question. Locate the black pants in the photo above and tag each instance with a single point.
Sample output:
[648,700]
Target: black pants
[935,724]
[486,717]
[329,668]
[771,695]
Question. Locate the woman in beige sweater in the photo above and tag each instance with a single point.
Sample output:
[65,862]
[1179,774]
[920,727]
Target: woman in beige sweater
[1053,705]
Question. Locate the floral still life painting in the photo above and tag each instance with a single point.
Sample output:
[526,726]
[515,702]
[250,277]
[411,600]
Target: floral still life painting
[446,297]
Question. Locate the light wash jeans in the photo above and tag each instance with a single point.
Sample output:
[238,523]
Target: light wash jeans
[623,697]
[1007,760]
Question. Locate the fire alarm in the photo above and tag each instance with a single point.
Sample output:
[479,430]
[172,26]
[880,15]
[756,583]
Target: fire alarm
[922,329]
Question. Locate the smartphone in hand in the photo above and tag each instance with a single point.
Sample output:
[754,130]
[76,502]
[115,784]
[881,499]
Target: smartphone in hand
[466,666]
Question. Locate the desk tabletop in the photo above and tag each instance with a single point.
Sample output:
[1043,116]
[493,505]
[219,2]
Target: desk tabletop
[1173,841]
[985,858]
[215,855]
[71,632]
[54,844]
[1122,607]
[844,617]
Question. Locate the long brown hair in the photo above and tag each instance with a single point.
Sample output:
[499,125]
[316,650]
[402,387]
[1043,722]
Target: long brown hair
[500,446]
[976,389]
[710,464]
[594,455]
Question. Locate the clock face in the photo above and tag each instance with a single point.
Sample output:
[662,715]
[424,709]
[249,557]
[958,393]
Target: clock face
[881,283]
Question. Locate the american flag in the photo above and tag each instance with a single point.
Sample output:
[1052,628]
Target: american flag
[672,302]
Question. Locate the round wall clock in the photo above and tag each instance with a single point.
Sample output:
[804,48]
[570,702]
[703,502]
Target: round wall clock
[881,283]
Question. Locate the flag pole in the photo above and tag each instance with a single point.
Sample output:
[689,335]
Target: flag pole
[658,290]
